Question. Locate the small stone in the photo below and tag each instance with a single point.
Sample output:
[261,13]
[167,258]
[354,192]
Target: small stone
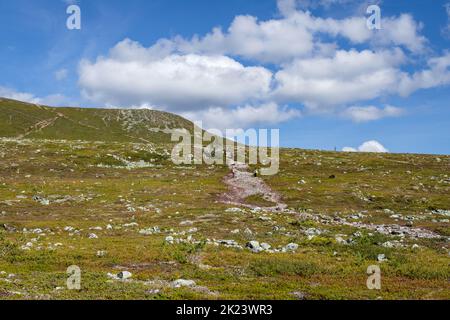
[381,258]
[291,247]
[124,275]
[254,246]
[299,295]
[132,224]
[183,283]
[8,228]
[150,231]
[101,253]
[152,291]
[340,240]
[313,232]
[388,244]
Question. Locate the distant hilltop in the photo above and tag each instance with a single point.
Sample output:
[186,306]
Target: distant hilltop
[27,120]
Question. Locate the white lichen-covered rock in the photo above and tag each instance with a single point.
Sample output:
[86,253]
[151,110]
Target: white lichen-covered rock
[150,231]
[233,210]
[381,258]
[290,247]
[254,246]
[169,239]
[183,283]
[123,275]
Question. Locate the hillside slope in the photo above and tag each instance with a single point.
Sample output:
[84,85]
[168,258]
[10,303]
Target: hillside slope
[309,232]
[25,120]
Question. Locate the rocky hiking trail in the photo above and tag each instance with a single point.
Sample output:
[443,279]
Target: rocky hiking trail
[40,126]
[243,184]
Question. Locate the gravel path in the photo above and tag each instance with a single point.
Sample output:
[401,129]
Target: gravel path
[243,184]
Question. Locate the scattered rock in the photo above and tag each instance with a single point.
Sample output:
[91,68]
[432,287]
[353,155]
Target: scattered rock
[124,275]
[101,253]
[183,283]
[153,291]
[234,210]
[291,247]
[340,240]
[393,244]
[150,231]
[254,246]
[169,239]
[9,228]
[299,295]
[129,225]
[41,200]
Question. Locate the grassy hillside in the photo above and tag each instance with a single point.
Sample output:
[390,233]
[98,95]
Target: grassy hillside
[24,120]
[122,205]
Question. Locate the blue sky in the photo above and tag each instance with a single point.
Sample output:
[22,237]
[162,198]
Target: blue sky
[312,69]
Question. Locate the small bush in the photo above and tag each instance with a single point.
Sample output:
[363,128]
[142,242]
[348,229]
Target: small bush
[109,161]
[181,252]
[283,267]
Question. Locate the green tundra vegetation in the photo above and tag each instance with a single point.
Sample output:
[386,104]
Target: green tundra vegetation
[96,188]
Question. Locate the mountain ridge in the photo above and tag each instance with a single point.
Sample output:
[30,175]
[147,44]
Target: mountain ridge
[29,120]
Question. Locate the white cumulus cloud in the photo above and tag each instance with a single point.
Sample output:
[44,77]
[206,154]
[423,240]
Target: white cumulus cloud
[347,77]
[368,146]
[133,76]
[437,74]
[15,95]
[243,117]
[295,35]
[371,113]
[50,100]
[295,59]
